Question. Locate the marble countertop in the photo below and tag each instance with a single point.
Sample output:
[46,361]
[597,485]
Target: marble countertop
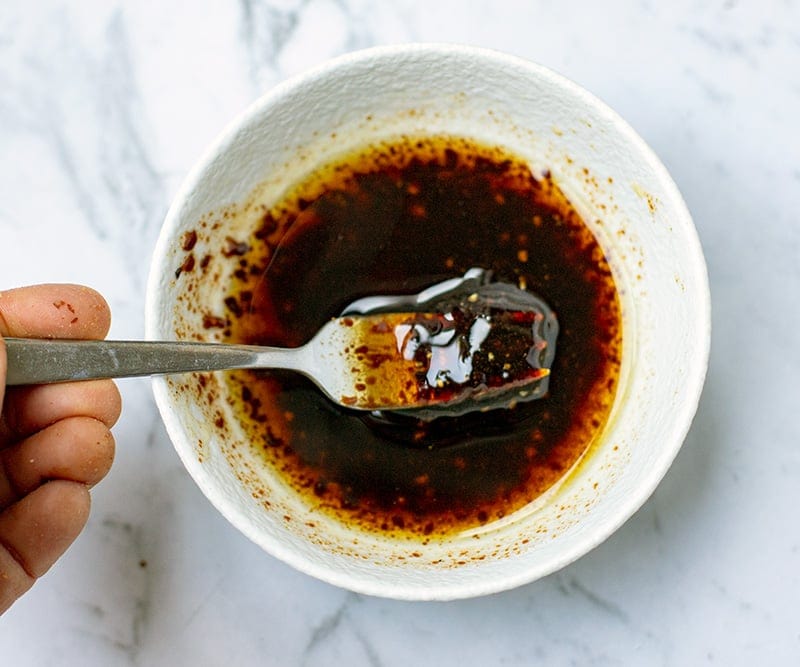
[105,105]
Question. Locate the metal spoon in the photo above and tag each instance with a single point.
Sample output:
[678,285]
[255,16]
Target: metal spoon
[375,360]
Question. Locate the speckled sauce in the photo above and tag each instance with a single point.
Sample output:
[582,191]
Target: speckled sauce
[397,217]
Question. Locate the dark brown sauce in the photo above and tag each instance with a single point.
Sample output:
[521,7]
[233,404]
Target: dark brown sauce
[397,218]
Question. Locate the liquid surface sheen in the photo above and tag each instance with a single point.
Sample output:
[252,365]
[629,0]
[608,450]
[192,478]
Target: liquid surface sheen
[395,219]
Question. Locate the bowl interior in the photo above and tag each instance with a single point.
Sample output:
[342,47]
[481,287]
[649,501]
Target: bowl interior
[611,177]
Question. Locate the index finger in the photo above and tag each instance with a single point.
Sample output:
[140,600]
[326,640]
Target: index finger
[53,311]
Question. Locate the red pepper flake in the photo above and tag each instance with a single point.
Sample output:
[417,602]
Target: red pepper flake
[186,267]
[188,240]
[234,247]
[233,305]
[213,322]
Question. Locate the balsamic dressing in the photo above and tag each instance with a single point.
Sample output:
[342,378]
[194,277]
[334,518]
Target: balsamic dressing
[397,218]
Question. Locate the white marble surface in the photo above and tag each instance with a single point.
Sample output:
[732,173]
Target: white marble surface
[104,106]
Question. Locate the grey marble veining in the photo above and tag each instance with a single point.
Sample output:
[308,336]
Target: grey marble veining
[105,106]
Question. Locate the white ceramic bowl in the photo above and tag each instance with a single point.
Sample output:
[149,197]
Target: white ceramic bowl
[613,179]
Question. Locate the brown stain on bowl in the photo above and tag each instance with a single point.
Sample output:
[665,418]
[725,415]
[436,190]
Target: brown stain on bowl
[650,200]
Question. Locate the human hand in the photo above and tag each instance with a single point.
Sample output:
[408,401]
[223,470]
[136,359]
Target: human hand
[55,442]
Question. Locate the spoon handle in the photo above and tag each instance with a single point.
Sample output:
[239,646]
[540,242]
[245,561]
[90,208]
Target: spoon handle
[39,361]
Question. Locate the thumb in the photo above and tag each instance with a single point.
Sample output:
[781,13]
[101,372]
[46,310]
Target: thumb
[3,365]
[50,311]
